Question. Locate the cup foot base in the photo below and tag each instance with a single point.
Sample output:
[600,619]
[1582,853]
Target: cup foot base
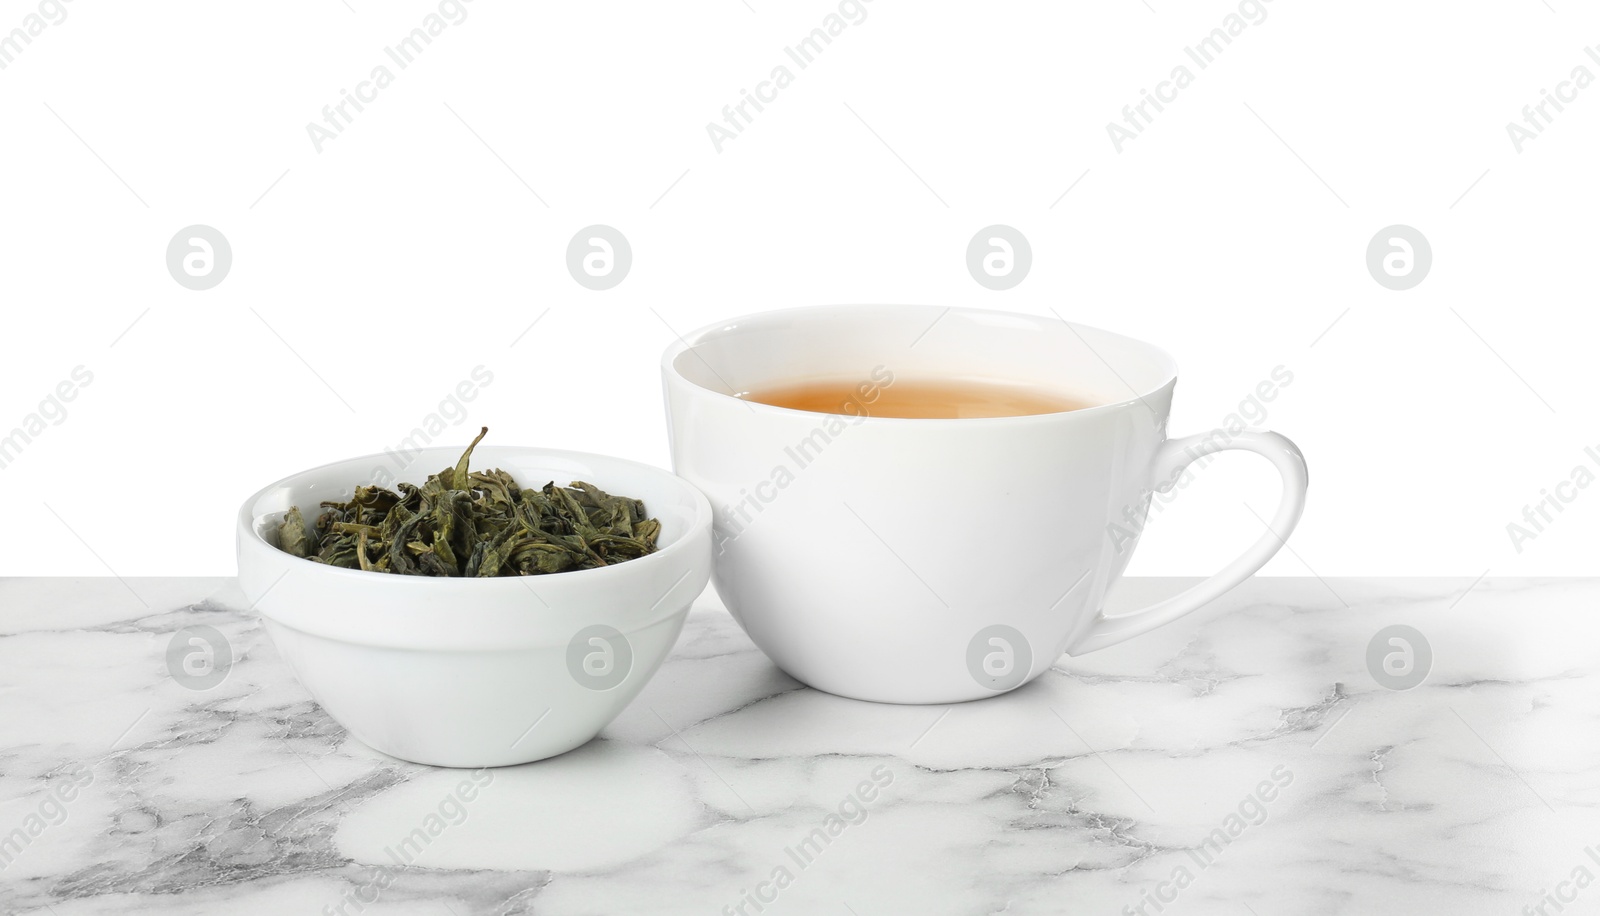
[893,697]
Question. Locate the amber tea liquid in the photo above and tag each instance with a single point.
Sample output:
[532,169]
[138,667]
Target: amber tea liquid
[947,399]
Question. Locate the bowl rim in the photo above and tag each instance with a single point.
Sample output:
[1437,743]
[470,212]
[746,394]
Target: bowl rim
[663,554]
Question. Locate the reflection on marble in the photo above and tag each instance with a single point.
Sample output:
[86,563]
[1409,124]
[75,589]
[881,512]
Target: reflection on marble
[1242,761]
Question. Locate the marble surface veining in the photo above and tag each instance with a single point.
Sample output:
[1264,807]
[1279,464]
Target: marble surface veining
[1243,761]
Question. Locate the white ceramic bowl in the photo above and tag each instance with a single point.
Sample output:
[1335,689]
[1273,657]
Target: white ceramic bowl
[477,672]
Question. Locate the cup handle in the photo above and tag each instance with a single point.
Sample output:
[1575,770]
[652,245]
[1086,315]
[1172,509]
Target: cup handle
[1174,456]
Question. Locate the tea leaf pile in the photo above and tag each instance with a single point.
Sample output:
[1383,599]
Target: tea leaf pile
[473,524]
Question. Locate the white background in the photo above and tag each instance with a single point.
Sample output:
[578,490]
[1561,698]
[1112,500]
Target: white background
[370,278]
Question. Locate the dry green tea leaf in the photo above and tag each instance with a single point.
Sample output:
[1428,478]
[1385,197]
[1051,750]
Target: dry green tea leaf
[468,523]
[293,536]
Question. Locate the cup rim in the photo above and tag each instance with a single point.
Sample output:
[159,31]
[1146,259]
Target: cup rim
[686,342]
[663,554]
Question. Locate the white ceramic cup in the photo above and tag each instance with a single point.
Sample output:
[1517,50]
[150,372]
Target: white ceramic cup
[936,560]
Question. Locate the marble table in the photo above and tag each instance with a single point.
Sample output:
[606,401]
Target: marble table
[1246,760]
